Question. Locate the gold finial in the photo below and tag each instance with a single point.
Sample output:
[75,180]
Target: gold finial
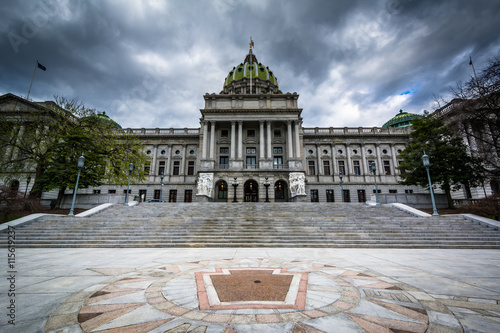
[252,45]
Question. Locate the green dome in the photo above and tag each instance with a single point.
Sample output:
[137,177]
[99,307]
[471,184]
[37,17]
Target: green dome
[251,68]
[104,118]
[402,119]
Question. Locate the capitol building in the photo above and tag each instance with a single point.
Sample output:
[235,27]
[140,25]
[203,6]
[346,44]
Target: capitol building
[251,146]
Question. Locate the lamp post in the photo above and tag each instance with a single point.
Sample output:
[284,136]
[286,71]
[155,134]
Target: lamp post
[130,169]
[266,184]
[81,163]
[373,168]
[27,184]
[235,185]
[341,175]
[426,161]
[161,184]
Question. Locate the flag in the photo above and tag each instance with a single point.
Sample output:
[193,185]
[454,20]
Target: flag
[42,67]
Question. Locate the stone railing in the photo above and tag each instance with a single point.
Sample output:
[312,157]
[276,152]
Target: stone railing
[163,131]
[356,130]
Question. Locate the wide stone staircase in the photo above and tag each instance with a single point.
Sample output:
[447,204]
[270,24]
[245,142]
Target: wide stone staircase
[333,225]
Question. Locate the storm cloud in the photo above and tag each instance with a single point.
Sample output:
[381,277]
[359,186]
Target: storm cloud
[148,63]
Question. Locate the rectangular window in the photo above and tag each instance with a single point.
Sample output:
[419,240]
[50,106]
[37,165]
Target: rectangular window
[356,168]
[401,171]
[361,196]
[112,191]
[370,162]
[125,191]
[224,133]
[341,167]
[312,168]
[347,196]
[251,133]
[157,194]
[161,168]
[329,196]
[278,162]
[278,150]
[224,150]
[326,168]
[314,196]
[172,196]
[188,196]
[147,167]
[251,162]
[277,133]
[96,191]
[393,191]
[387,167]
[375,191]
[190,168]
[223,162]
[176,168]
[251,150]
[408,191]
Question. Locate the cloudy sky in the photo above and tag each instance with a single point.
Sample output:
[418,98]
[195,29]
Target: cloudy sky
[148,63]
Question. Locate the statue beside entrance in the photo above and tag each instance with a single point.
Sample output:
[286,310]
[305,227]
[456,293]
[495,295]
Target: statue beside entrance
[205,185]
[297,184]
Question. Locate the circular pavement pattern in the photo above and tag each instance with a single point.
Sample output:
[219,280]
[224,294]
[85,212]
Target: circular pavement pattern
[316,297]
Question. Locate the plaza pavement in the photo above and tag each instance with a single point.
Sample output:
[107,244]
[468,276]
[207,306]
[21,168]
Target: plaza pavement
[350,290]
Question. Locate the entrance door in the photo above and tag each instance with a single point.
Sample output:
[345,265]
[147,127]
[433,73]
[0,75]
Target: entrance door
[188,196]
[361,196]
[157,194]
[251,191]
[280,191]
[142,194]
[221,191]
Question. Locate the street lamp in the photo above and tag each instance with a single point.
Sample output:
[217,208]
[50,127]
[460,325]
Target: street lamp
[373,168]
[130,169]
[341,175]
[266,184]
[425,160]
[161,184]
[81,162]
[27,184]
[235,185]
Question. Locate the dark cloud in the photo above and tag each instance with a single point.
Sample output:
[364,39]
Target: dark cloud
[148,63]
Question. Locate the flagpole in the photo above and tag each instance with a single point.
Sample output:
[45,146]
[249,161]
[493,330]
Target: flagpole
[251,65]
[474,70]
[34,71]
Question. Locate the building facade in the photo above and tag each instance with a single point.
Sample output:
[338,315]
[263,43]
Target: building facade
[251,146]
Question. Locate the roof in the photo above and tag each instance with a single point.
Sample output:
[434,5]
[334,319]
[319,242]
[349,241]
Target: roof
[402,119]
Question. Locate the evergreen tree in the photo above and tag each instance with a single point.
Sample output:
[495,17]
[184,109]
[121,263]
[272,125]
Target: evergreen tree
[451,166]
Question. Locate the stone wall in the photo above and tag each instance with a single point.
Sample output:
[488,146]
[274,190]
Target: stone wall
[415,200]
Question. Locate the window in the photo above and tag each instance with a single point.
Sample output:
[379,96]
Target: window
[312,168]
[112,191]
[156,195]
[147,167]
[223,162]
[340,152]
[190,168]
[177,152]
[377,191]
[401,171]
[356,168]
[188,196]
[341,167]
[172,196]
[251,150]
[176,168]
[161,168]
[224,150]
[251,133]
[355,152]
[326,168]
[370,151]
[96,191]
[251,162]
[278,162]
[325,151]
[314,196]
[277,133]
[224,133]
[310,152]
[278,150]
[191,152]
[222,191]
[347,196]
[384,151]
[387,167]
[393,191]
[329,196]
[408,191]
[370,163]
[125,191]
[163,152]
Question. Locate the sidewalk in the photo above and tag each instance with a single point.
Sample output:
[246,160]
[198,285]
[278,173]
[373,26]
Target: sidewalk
[161,290]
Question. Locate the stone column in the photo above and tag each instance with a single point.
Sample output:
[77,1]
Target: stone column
[269,141]
[348,170]
[169,160]
[297,139]
[233,140]
[212,140]
[155,154]
[240,140]
[394,159]
[289,143]
[364,162]
[320,166]
[379,160]
[183,161]
[205,140]
[262,154]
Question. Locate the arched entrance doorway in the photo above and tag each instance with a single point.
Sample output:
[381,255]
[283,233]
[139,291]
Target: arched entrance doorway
[14,185]
[221,191]
[280,191]
[251,191]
